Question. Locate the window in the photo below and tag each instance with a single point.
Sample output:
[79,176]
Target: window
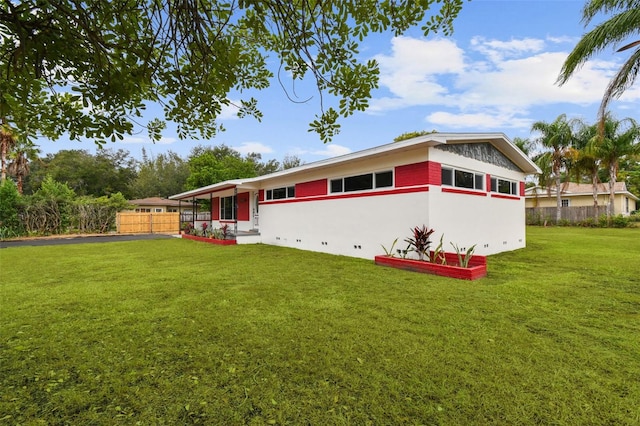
[503,186]
[447,177]
[158,210]
[336,185]
[565,203]
[227,208]
[462,178]
[362,182]
[384,179]
[143,210]
[281,193]
[358,183]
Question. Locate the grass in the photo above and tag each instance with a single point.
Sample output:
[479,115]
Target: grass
[180,332]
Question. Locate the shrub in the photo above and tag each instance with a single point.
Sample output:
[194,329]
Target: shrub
[10,203]
[420,242]
[619,221]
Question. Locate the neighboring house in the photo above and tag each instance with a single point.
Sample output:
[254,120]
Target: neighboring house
[469,187]
[158,205]
[581,195]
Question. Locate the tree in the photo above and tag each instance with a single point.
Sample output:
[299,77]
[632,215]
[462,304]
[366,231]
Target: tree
[291,161]
[160,176]
[10,200]
[262,168]
[620,139]
[105,173]
[525,145]
[209,165]
[557,137]
[411,135]
[7,142]
[624,22]
[192,56]
[23,153]
[587,160]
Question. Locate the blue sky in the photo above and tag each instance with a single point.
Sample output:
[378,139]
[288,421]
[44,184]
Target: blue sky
[496,73]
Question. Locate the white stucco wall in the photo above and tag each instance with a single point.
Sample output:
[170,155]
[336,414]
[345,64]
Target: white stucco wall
[350,226]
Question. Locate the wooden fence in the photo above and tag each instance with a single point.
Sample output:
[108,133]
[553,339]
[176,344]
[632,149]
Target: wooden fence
[540,215]
[148,223]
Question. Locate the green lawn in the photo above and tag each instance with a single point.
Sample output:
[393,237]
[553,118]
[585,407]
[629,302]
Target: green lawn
[178,332]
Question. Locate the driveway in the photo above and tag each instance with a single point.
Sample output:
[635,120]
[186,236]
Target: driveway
[81,239]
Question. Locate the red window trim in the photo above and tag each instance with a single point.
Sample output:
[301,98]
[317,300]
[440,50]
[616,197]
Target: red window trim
[464,191]
[505,197]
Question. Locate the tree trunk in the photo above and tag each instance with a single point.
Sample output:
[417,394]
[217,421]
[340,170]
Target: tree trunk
[613,174]
[594,183]
[558,200]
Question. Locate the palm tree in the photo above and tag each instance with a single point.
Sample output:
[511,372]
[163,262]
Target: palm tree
[624,22]
[618,140]
[23,153]
[588,162]
[558,138]
[7,142]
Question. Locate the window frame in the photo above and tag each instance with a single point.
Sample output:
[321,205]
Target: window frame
[449,176]
[280,193]
[341,185]
[497,183]
[224,206]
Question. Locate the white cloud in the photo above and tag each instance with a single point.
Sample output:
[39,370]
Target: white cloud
[257,147]
[494,81]
[139,140]
[329,150]
[477,121]
[230,112]
[497,50]
[332,150]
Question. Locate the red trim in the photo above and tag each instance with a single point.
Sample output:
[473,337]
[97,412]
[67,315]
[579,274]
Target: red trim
[522,189]
[463,191]
[477,269]
[311,188]
[260,195]
[435,173]
[488,183]
[215,208]
[423,173]
[210,240]
[243,206]
[506,197]
[352,195]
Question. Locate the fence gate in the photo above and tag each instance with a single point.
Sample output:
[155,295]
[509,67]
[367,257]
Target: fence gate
[148,223]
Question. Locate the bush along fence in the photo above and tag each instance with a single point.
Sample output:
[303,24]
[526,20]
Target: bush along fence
[588,216]
[56,209]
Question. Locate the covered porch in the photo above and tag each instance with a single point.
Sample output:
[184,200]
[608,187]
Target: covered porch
[228,208]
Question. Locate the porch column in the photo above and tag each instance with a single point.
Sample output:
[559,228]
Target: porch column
[211,212]
[235,211]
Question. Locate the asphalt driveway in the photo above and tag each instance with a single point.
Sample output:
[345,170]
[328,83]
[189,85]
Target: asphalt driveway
[80,239]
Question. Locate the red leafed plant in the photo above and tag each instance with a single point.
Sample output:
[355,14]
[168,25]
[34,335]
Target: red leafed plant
[420,241]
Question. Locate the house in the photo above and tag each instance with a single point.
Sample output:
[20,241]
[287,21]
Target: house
[581,195]
[469,187]
[158,205]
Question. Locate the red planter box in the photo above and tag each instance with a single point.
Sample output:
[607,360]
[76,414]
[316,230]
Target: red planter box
[210,240]
[477,266]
